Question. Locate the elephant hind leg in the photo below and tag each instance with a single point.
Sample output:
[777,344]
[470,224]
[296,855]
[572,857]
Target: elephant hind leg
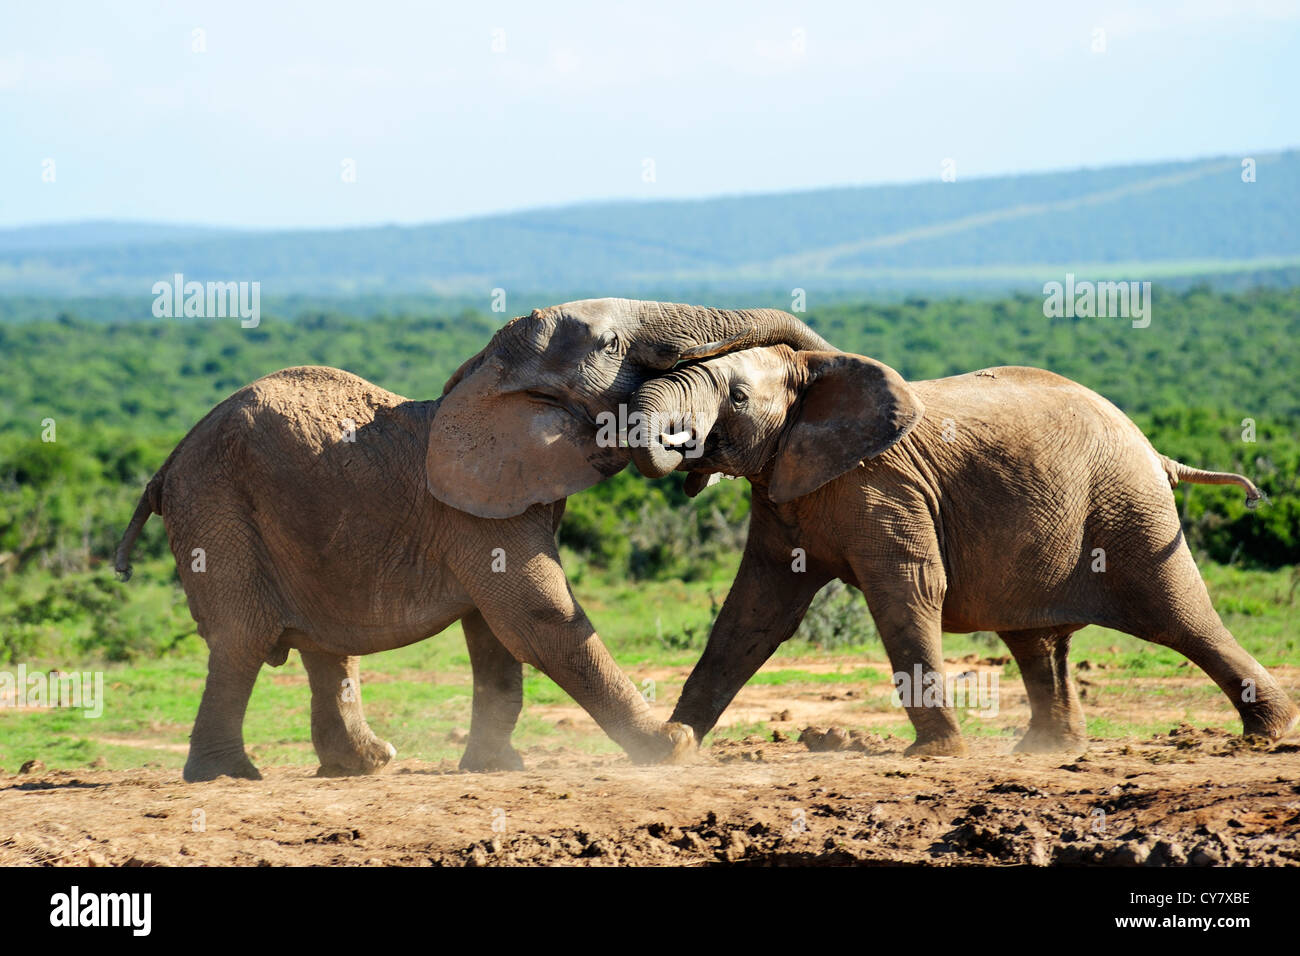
[498,698]
[1056,721]
[344,742]
[1264,707]
[1179,615]
[217,740]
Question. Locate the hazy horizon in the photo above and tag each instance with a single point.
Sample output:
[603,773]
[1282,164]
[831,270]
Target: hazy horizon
[450,114]
[190,224]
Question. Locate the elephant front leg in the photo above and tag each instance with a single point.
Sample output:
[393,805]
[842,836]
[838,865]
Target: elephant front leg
[1056,720]
[498,698]
[344,742]
[762,611]
[909,619]
[530,609]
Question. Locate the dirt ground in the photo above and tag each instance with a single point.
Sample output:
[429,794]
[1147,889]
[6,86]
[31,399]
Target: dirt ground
[1193,796]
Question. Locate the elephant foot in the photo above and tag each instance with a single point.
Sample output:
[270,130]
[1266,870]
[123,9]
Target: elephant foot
[675,743]
[1045,741]
[200,767]
[951,746]
[1274,722]
[683,742]
[371,757]
[488,760]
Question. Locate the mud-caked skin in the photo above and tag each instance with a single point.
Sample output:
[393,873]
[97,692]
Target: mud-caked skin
[313,510]
[1009,500]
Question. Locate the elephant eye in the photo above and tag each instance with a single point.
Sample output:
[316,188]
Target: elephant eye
[612,344]
[738,396]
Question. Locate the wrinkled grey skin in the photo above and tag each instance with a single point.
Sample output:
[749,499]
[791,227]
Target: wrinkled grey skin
[977,502]
[308,493]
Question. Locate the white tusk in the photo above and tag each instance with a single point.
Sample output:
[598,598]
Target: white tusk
[677,438]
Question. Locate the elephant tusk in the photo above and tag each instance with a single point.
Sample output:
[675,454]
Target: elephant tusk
[676,438]
[709,349]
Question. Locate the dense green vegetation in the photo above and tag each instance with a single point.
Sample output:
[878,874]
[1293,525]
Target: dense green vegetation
[651,566]
[117,396]
[121,394]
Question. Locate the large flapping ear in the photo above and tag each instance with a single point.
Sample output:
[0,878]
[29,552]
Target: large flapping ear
[495,452]
[852,409]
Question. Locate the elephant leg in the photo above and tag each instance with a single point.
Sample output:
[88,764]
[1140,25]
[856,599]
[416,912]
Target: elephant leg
[910,624]
[498,698]
[531,610]
[762,611]
[217,740]
[1178,614]
[1055,716]
[344,742]
[1264,707]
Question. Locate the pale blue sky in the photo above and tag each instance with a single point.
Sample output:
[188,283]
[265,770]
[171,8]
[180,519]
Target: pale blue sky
[253,131]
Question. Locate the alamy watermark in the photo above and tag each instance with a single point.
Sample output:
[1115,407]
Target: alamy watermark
[1102,300]
[212,300]
[624,429]
[79,690]
[976,691]
[133,911]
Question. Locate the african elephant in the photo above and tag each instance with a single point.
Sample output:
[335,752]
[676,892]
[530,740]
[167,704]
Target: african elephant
[977,502]
[314,510]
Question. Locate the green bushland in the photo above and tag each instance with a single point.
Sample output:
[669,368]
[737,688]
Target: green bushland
[651,566]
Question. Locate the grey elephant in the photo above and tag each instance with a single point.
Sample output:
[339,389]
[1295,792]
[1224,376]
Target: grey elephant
[977,502]
[312,510]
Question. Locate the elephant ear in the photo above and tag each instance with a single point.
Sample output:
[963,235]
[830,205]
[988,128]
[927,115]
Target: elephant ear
[852,409]
[494,452]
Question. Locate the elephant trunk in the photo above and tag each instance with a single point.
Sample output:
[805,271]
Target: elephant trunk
[672,432]
[672,333]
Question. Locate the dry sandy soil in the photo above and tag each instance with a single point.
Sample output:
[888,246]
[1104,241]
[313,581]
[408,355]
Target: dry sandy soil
[1193,796]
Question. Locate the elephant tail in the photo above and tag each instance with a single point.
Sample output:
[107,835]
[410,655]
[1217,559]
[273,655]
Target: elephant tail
[1177,472]
[150,504]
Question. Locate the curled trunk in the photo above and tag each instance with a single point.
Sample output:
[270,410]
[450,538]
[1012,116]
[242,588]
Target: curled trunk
[689,333]
[672,333]
[667,406]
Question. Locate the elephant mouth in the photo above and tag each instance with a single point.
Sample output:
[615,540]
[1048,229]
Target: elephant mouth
[676,446]
[693,452]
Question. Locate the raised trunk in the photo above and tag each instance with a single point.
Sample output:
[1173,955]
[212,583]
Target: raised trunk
[671,333]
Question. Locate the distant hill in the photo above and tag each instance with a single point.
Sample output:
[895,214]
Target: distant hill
[91,235]
[1158,222]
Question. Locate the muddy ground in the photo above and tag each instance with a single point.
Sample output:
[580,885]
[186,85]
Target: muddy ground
[1193,797]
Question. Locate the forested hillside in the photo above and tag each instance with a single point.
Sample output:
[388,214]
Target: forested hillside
[122,394]
[1148,222]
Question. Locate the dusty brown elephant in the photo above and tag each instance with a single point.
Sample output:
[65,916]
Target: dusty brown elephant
[300,516]
[977,502]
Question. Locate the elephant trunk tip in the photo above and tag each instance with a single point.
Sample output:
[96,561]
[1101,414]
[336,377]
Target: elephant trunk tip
[655,459]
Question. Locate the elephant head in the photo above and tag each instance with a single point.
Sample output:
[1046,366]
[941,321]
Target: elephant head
[518,423]
[794,419]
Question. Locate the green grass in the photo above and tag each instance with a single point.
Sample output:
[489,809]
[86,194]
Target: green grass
[861,675]
[418,695]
